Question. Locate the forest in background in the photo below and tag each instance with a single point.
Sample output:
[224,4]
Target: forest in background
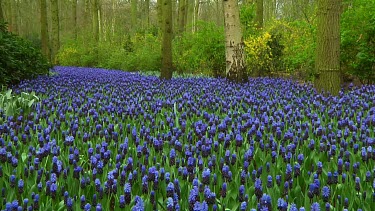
[279,35]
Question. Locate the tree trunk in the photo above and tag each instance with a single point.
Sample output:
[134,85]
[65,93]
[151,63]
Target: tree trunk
[234,47]
[55,29]
[327,63]
[44,29]
[259,14]
[8,14]
[159,11]
[166,69]
[147,14]
[1,12]
[196,15]
[133,15]
[74,16]
[219,13]
[95,20]
[113,20]
[14,18]
[190,15]
[87,16]
[181,16]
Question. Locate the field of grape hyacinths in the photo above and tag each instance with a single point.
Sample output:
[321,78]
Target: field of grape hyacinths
[111,140]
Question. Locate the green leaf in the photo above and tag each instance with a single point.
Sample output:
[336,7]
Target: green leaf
[8,94]
[30,103]
[23,156]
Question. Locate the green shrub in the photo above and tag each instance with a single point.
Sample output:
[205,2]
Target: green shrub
[138,53]
[358,40]
[19,60]
[201,52]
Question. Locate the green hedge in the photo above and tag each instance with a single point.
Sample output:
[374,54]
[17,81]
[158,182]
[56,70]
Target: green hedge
[19,60]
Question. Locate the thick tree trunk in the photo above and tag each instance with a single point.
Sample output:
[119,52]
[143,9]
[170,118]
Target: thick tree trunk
[74,16]
[327,63]
[55,29]
[166,69]
[259,14]
[234,52]
[44,29]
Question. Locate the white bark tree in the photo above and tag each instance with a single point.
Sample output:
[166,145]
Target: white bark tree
[234,48]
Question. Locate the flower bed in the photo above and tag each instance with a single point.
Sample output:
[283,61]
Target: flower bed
[111,140]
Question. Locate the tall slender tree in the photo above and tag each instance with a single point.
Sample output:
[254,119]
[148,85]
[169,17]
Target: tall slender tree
[95,20]
[196,14]
[133,14]
[1,11]
[55,29]
[159,11]
[181,16]
[166,50]
[146,14]
[327,63]
[87,16]
[190,15]
[259,14]
[74,16]
[234,47]
[44,29]
[14,16]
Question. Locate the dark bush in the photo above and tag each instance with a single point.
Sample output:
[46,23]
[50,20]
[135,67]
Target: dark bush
[19,60]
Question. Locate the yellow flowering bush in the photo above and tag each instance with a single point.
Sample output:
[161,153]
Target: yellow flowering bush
[68,55]
[259,54]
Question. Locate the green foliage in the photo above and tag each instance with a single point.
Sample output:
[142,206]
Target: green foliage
[358,40]
[12,104]
[19,60]
[202,52]
[264,53]
[299,52]
[138,53]
[247,17]
[282,49]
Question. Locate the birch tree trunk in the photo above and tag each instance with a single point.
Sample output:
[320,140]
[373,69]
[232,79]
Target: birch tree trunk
[166,50]
[44,29]
[327,63]
[234,47]
[55,29]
